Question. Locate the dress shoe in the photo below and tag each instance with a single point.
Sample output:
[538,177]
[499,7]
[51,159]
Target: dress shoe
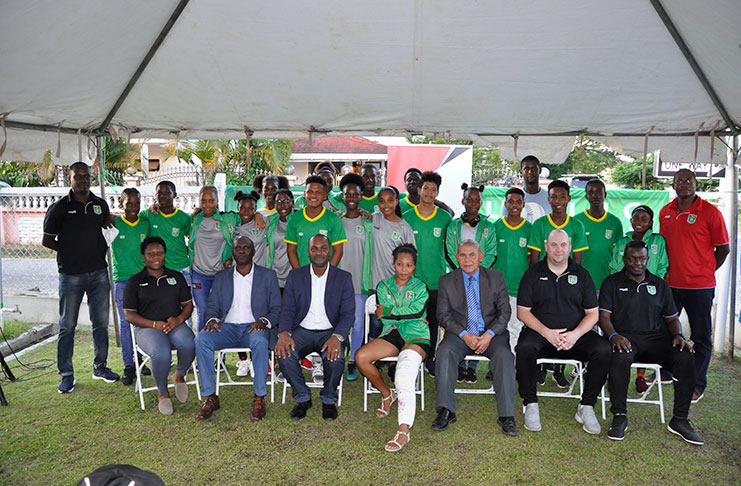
[299,411]
[210,404]
[509,427]
[329,411]
[444,418]
[258,409]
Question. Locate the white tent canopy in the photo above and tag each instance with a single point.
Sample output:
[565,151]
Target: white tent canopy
[483,70]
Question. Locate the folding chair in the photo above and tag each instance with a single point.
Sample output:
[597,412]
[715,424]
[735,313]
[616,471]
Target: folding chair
[310,384]
[476,391]
[370,308]
[145,359]
[231,382]
[644,396]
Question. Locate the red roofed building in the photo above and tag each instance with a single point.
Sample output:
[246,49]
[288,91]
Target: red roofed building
[341,151]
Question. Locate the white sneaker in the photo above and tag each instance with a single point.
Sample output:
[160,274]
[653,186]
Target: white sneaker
[244,367]
[317,373]
[532,417]
[585,416]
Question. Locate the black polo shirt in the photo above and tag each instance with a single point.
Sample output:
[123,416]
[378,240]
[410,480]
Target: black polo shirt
[81,247]
[637,308]
[558,301]
[156,298]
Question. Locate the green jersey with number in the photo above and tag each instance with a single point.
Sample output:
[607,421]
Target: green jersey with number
[429,237]
[301,228]
[126,248]
[542,227]
[173,228]
[512,250]
[602,234]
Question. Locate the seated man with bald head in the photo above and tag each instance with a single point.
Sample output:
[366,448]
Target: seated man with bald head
[557,302]
[473,308]
[317,313]
[244,302]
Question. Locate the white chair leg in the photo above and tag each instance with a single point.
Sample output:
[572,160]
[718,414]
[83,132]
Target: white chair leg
[661,396]
[219,357]
[365,394]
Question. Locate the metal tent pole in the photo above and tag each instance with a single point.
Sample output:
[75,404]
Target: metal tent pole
[101,160]
[734,247]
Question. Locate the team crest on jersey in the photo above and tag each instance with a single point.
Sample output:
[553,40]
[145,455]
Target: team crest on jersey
[437,232]
[654,249]
[692,218]
[410,295]
[97,209]
[218,225]
[176,232]
[573,279]
[485,233]
[395,236]
[359,229]
[651,289]
[255,231]
[142,236]
[523,242]
[323,232]
[608,234]
[171,281]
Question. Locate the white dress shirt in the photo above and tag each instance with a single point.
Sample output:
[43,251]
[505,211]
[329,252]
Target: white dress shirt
[241,310]
[316,319]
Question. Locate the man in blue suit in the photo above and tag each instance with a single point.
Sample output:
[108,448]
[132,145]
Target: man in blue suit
[244,302]
[318,311]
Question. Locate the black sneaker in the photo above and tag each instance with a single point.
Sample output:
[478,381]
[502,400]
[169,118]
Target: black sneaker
[470,375]
[129,375]
[329,411]
[146,371]
[683,428]
[299,411]
[67,385]
[105,374]
[430,367]
[542,372]
[561,379]
[461,374]
[618,427]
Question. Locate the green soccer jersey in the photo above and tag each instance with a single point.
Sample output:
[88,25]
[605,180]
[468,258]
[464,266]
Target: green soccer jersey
[429,237]
[173,228]
[126,248]
[513,252]
[301,228]
[543,226]
[658,261]
[602,234]
[405,204]
[369,204]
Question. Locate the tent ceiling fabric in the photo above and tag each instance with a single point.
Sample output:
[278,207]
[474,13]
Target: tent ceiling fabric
[370,68]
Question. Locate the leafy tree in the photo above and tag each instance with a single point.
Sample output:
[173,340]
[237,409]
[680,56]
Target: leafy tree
[231,157]
[28,174]
[587,157]
[629,175]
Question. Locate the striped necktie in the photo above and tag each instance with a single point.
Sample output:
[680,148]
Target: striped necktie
[473,308]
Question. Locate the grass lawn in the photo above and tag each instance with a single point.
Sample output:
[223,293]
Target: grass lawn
[51,439]
[13,328]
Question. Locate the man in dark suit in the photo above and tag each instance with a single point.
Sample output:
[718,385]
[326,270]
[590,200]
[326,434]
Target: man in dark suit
[318,311]
[473,308]
[244,302]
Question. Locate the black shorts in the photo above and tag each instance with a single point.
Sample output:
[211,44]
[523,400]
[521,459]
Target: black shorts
[394,337]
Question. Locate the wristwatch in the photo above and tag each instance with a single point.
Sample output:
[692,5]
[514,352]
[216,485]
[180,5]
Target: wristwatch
[264,321]
[339,337]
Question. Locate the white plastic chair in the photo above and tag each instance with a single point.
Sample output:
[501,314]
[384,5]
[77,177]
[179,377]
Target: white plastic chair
[311,384]
[476,391]
[368,388]
[145,359]
[644,396]
[231,382]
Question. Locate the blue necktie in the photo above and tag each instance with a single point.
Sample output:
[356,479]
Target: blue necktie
[473,309]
